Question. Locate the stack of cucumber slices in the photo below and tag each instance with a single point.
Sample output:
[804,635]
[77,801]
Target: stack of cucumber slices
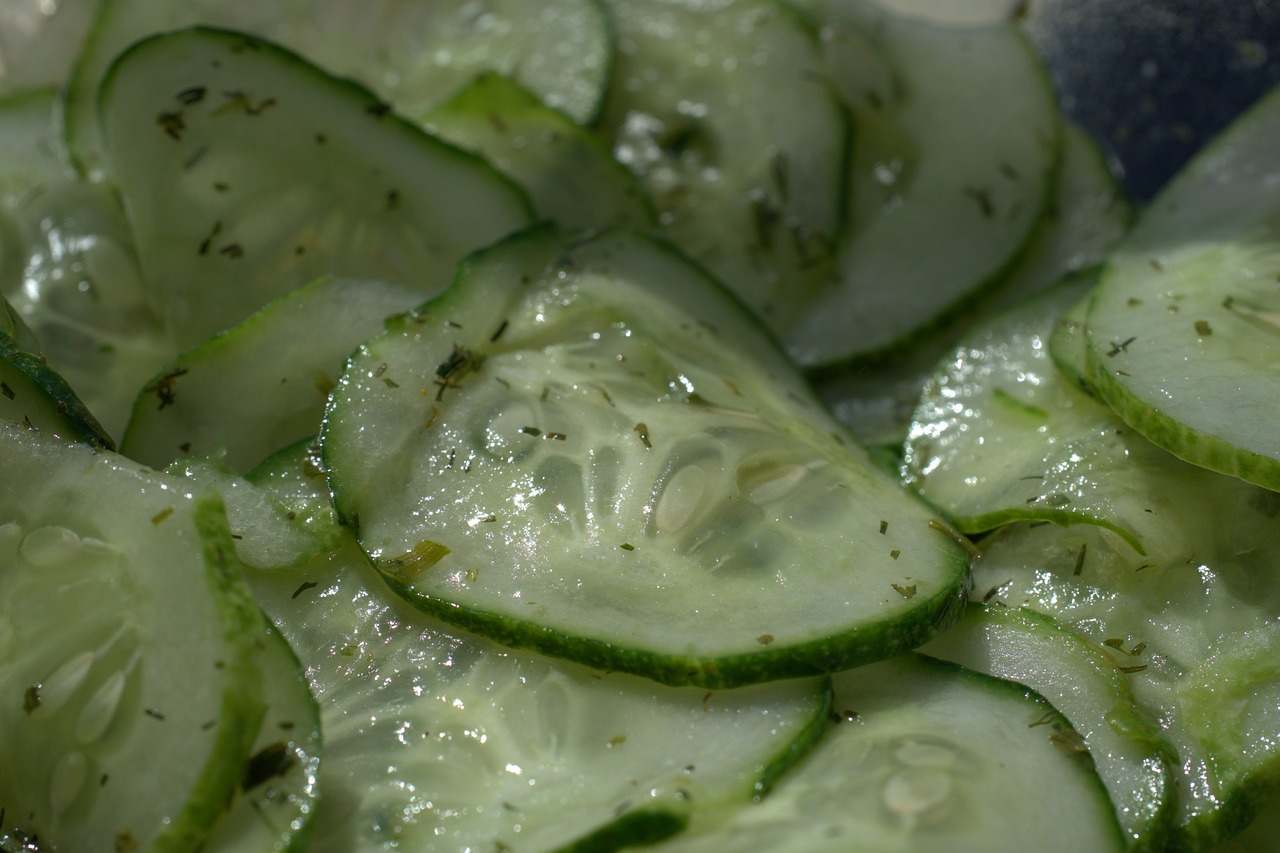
[594,424]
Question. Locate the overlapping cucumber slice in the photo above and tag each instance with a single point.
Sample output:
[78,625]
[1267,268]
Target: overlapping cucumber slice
[1184,330]
[413,54]
[438,740]
[929,756]
[242,163]
[586,447]
[131,672]
[34,394]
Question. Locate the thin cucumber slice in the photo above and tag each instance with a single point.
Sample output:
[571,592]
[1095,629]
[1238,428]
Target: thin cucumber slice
[1183,331]
[568,170]
[39,41]
[295,476]
[961,178]
[1087,217]
[1068,346]
[31,153]
[412,54]
[247,172]
[930,756]
[278,794]
[129,725]
[722,111]
[33,394]
[588,448]
[1089,686]
[262,384]
[434,740]
[1195,630]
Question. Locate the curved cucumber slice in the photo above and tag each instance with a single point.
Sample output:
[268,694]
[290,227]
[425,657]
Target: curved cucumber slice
[587,447]
[1091,689]
[568,170]
[439,741]
[262,384]
[247,172]
[930,756]
[295,476]
[722,111]
[964,177]
[129,725]
[1184,330]
[1194,630]
[412,54]
[31,393]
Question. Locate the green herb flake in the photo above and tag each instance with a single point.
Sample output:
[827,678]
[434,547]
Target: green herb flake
[421,557]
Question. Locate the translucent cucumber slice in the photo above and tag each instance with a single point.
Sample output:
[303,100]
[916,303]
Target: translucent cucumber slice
[39,41]
[33,394]
[1090,687]
[412,54]
[295,476]
[435,740]
[723,112]
[929,756]
[131,690]
[1195,630]
[568,170]
[247,172]
[263,383]
[1184,331]
[587,447]
[967,152]
[1087,217]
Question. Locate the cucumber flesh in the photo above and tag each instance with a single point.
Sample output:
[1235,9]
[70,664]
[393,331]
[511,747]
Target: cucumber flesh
[929,756]
[966,174]
[1088,685]
[110,742]
[295,476]
[586,447]
[413,55]
[242,164]
[1182,333]
[33,394]
[437,740]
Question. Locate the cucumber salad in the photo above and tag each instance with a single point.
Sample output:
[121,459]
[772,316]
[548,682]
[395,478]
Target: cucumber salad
[483,425]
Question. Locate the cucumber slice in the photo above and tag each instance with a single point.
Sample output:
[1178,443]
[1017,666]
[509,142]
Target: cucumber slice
[1194,628]
[962,178]
[1090,688]
[247,172]
[412,54]
[929,757]
[39,41]
[436,741]
[722,111]
[295,476]
[1182,332]
[568,170]
[586,447]
[262,384]
[33,394]
[129,725]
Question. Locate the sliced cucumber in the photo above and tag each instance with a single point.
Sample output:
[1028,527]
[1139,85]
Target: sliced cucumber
[33,394]
[1194,628]
[568,170]
[438,741]
[412,54]
[127,725]
[1184,330]
[930,756]
[723,112]
[262,384]
[247,172]
[586,447]
[1091,689]
[961,178]
[295,476]
[39,41]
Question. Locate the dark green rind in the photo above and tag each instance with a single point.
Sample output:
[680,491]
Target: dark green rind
[819,657]
[70,417]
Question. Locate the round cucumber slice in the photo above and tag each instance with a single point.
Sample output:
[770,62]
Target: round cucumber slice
[32,393]
[437,740]
[412,54]
[929,756]
[586,447]
[247,172]
[1184,330]
[127,726]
